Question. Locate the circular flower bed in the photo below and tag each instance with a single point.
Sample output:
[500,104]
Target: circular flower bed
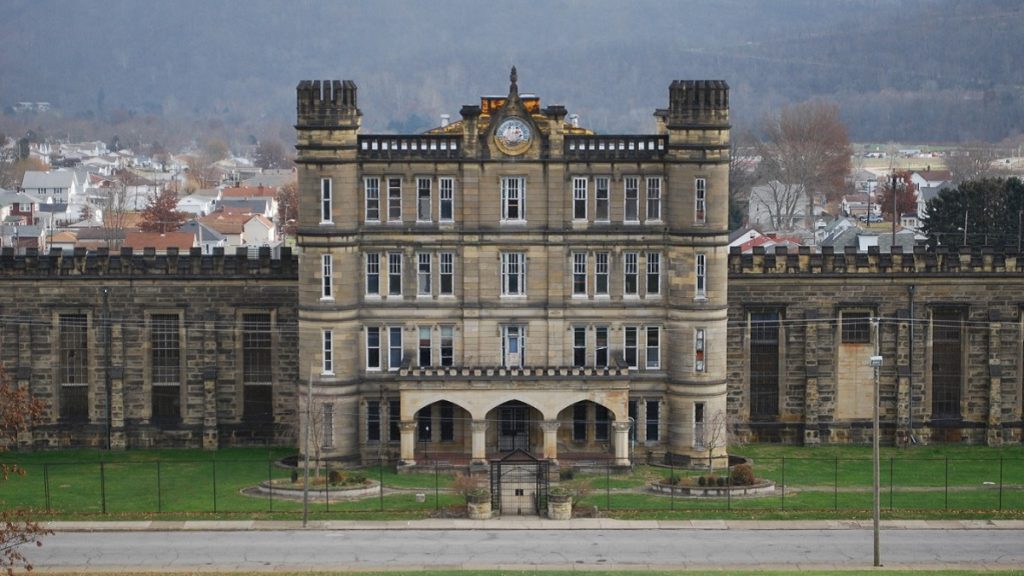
[336,485]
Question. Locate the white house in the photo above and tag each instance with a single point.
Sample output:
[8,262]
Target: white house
[59,186]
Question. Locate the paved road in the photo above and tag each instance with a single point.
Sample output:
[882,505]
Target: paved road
[375,549]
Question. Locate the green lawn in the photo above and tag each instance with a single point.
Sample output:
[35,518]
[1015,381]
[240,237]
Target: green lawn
[823,482]
[603,572]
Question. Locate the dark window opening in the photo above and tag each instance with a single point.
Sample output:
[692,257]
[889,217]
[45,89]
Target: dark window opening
[856,327]
[373,421]
[764,365]
[74,364]
[947,359]
[579,422]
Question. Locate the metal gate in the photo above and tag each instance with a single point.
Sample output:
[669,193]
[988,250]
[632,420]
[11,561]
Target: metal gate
[519,484]
[514,428]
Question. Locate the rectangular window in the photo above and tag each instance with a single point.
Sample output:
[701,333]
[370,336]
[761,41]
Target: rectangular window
[579,274]
[579,198]
[653,273]
[394,273]
[947,363]
[654,199]
[699,433]
[394,348]
[631,187]
[653,420]
[700,270]
[601,199]
[653,347]
[447,199]
[325,201]
[326,267]
[257,367]
[602,422]
[447,422]
[423,274]
[601,274]
[371,189]
[700,194]
[630,273]
[579,346]
[447,285]
[513,346]
[373,348]
[166,368]
[764,365]
[579,422]
[328,417]
[601,347]
[372,274]
[856,327]
[425,346]
[328,367]
[513,274]
[394,420]
[74,367]
[629,346]
[513,198]
[423,192]
[698,351]
[447,345]
[394,199]
[373,421]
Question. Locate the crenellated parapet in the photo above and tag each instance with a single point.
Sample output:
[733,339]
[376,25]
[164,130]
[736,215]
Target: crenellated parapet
[943,260]
[327,104]
[128,263]
[697,103]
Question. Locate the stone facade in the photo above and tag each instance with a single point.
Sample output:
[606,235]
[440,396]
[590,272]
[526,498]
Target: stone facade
[512,280]
[948,329]
[146,350]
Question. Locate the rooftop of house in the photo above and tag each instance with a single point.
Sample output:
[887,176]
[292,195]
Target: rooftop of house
[249,192]
[161,241]
[35,179]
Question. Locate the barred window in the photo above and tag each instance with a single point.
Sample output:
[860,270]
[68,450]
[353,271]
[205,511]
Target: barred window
[328,417]
[856,327]
[764,365]
[74,367]
[165,350]
[257,371]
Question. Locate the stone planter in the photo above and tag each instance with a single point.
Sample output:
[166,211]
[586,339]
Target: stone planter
[321,493]
[478,506]
[759,488]
[559,506]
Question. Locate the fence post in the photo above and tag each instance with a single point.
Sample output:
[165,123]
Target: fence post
[835,484]
[270,482]
[103,488]
[327,488]
[1000,483]
[892,464]
[672,472]
[608,484]
[159,490]
[380,472]
[947,482]
[46,485]
[214,486]
[783,482]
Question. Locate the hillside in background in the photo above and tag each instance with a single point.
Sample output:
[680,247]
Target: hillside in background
[917,70]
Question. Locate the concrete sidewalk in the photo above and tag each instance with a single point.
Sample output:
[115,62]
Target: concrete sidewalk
[527,523]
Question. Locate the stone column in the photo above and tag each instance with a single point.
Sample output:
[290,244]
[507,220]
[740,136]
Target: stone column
[811,404]
[24,377]
[621,441]
[211,438]
[117,412]
[407,455]
[550,428]
[479,440]
[994,432]
[903,368]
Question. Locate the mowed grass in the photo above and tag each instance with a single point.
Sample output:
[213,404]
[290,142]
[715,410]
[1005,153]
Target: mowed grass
[822,482]
[580,572]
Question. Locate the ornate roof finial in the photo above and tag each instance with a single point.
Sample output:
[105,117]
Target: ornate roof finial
[513,89]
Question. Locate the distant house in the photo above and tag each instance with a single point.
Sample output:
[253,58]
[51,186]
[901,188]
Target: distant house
[59,186]
[259,231]
[138,241]
[929,183]
[18,207]
[276,179]
[197,204]
[261,206]
[22,238]
[206,238]
[261,193]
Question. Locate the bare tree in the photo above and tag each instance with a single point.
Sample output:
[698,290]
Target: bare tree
[17,411]
[315,429]
[288,209]
[115,211]
[711,435]
[972,162]
[780,201]
[271,154]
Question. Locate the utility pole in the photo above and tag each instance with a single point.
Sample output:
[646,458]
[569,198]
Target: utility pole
[894,215]
[108,335]
[876,363]
[309,430]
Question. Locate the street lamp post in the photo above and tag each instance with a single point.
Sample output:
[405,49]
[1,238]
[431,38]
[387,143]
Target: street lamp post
[876,363]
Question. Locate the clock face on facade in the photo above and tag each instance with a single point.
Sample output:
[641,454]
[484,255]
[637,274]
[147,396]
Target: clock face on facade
[513,136]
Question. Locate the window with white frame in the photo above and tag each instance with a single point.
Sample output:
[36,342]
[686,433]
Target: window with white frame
[394,199]
[700,195]
[373,357]
[326,270]
[423,192]
[325,201]
[394,273]
[423,274]
[653,273]
[394,347]
[601,274]
[601,347]
[447,345]
[447,280]
[579,273]
[513,346]
[328,352]
[513,198]
[446,195]
[699,430]
[698,350]
[579,346]
[700,269]
[630,342]
[371,192]
[601,185]
[654,198]
[372,274]
[630,273]
[631,189]
[579,198]
[425,346]
[653,346]
[513,274]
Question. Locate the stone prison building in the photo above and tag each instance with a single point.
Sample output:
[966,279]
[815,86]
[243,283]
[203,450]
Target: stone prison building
[513,281]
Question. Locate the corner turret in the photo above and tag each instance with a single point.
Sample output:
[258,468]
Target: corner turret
[703,103]
[327,104]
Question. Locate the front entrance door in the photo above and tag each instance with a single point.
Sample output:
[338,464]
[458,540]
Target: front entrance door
[514,431]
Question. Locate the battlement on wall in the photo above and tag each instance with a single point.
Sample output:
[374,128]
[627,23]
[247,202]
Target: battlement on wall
[130,264]
[327,104]
[942,260]
[697,102]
